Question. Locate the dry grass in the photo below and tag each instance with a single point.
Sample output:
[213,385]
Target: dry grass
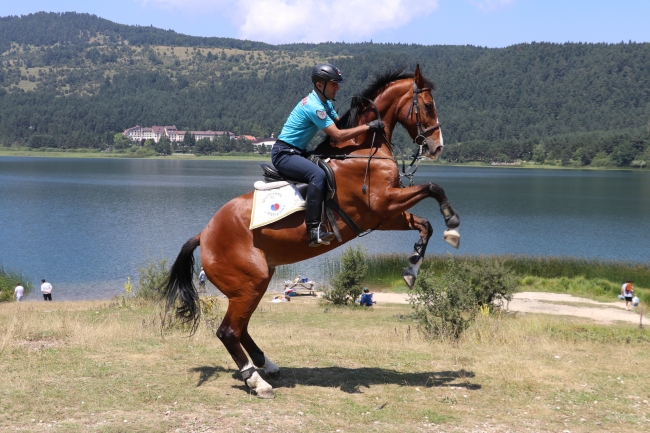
[89,366]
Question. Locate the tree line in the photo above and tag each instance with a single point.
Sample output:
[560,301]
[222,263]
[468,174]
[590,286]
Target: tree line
[569,104]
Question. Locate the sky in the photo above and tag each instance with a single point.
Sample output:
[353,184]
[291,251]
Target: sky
[490,23]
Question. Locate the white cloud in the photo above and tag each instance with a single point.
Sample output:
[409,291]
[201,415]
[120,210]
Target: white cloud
[490,5]
[286,21]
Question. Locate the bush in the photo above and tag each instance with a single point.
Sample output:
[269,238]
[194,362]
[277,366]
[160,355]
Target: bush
[152,276]
[447,305]
[8,280]
[347,285]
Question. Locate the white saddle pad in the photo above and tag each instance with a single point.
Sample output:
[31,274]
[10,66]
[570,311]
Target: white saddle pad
[273,201]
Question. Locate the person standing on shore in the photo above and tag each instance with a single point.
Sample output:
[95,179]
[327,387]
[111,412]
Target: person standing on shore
[202,281]
[628,293]
[19,292]
[46,289]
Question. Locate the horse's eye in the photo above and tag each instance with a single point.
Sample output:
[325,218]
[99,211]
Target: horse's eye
[428,107]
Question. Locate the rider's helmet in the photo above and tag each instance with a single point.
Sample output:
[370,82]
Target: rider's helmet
[326,72]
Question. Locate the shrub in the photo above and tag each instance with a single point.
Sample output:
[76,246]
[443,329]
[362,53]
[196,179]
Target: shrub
[446,305]
[8,280]
[152,275]
[347,285]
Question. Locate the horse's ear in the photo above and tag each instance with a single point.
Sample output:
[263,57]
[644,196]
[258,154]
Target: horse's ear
[419,79]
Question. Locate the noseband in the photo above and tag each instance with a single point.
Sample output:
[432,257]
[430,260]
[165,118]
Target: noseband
[420,138]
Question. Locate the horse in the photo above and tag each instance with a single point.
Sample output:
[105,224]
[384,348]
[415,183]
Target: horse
[240,262]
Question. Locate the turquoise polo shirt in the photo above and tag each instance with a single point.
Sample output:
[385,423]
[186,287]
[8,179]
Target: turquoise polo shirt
[310,116]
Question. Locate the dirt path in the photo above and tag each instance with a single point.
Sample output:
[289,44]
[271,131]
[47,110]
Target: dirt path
[550,303]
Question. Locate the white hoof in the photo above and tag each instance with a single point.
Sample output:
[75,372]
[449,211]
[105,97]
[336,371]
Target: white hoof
[452,237]
[259,386]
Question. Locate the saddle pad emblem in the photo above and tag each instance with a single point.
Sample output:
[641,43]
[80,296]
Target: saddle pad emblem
[321,114]
[275,207]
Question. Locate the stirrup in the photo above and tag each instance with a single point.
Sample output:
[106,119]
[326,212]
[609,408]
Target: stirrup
[315,239]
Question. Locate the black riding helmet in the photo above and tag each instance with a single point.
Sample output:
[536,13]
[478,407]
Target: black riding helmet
[325,72]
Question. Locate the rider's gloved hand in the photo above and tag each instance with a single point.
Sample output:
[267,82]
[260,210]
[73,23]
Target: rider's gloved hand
[376,125]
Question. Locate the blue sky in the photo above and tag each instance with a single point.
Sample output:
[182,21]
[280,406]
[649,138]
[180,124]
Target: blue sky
[492,23]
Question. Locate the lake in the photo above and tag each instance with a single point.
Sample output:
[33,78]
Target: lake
[85,225]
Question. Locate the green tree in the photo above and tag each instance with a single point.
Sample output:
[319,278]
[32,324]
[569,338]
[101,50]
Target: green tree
[204,146]
[164,146]
[347,285]
[121,141]
[189,140]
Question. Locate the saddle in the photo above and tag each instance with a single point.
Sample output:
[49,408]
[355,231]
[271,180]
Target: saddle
[271,174]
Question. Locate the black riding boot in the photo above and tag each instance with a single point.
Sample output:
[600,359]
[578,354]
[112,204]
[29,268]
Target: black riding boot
[313,213]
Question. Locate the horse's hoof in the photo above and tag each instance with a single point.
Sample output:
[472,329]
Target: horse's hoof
[409,278]
[266,393]
[452,237]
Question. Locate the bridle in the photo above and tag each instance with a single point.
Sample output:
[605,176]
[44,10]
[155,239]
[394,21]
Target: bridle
[418,120]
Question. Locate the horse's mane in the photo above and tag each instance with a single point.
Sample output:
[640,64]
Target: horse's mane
[349,119]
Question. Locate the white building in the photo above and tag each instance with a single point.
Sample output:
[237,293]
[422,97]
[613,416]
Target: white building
[266,142]
[155,133]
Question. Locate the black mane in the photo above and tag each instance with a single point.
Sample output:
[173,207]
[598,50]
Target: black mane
[349,119]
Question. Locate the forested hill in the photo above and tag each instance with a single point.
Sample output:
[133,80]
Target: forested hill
[74,80]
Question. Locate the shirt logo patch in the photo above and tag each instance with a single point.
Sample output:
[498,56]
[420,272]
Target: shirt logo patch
[321,114]
[304,100]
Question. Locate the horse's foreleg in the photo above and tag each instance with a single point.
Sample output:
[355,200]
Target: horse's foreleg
[408,221]
[401,199]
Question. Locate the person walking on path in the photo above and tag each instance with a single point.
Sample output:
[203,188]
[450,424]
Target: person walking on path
[628,293]
[46,289]
[202,281]
[19,292]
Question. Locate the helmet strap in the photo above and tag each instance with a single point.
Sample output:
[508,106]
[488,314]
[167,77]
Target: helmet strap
[323,92]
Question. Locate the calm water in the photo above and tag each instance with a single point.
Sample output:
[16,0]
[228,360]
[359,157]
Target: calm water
[86,224]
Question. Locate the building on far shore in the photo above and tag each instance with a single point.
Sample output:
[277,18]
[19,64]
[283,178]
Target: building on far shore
[155,133]
[266,142]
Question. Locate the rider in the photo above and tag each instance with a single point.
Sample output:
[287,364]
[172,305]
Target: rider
[315,112]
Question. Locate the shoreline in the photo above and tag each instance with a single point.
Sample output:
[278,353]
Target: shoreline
[87,153]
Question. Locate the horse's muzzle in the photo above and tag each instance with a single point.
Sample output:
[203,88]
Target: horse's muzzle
[432,151]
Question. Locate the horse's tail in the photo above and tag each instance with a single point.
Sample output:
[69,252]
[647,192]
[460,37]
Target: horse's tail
[179,291]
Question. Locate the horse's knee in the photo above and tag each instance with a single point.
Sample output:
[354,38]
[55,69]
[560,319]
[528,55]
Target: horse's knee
[436,191]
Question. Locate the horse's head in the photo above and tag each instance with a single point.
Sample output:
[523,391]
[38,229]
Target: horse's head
[420,117]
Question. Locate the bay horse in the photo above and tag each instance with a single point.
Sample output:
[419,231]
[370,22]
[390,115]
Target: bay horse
[240,262]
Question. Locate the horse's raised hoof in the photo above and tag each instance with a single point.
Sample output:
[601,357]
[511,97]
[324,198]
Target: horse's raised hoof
[452,220]
[452,237]
[409,277]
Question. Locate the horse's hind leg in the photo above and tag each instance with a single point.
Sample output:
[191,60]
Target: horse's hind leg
[232,331]
[408,221]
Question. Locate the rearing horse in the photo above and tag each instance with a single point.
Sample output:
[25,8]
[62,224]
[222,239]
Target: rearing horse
[240,262]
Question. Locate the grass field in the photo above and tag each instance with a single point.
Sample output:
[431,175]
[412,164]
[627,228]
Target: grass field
[107,367]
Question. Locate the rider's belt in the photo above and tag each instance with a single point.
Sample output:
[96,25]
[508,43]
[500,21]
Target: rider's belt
[284,143]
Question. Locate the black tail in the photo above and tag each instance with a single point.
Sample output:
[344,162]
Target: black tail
[179,290]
